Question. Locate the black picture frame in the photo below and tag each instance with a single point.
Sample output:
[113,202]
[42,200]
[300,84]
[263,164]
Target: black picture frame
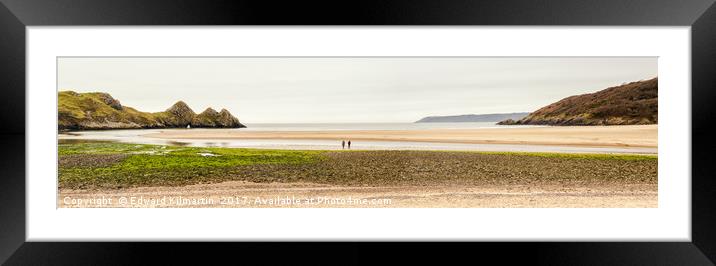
[16,15]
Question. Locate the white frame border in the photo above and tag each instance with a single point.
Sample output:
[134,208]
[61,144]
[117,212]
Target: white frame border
[671,221]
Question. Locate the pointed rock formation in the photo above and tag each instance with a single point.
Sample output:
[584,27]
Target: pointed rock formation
[226,119]
[211,118]
[178,115]
[98,110]
[205,119]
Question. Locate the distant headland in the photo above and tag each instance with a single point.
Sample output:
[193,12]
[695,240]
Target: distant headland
[472,118]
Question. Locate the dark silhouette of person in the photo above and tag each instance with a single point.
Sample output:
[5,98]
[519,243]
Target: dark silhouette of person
[343,144]
[349,144]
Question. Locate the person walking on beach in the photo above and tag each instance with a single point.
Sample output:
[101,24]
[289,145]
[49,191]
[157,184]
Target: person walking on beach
[343,144]
[349,144]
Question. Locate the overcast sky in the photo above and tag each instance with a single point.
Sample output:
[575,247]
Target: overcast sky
[301,90]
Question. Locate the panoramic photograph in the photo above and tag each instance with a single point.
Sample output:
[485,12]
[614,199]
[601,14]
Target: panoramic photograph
[357,132]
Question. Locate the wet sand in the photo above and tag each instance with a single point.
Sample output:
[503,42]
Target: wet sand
[242,194]
[588,136]
[628,185]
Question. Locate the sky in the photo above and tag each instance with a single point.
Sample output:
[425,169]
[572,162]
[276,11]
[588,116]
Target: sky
[349,89]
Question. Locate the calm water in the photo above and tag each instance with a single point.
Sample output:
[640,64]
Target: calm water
[370,126]
[136,136]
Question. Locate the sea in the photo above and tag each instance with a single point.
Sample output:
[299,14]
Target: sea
[370,126]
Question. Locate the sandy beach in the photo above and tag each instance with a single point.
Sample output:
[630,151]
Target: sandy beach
[240,194]
[592,136]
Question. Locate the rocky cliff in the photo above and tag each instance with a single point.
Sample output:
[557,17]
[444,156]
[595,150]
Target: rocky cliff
[98,110]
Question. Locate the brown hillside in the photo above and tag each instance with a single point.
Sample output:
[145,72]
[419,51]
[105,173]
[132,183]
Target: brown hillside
[635,103]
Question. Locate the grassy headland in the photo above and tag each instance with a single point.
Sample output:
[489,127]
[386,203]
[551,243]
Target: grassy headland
[98,110]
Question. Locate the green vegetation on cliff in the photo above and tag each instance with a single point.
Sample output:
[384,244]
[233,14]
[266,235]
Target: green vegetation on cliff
[634,103]
[98,110]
